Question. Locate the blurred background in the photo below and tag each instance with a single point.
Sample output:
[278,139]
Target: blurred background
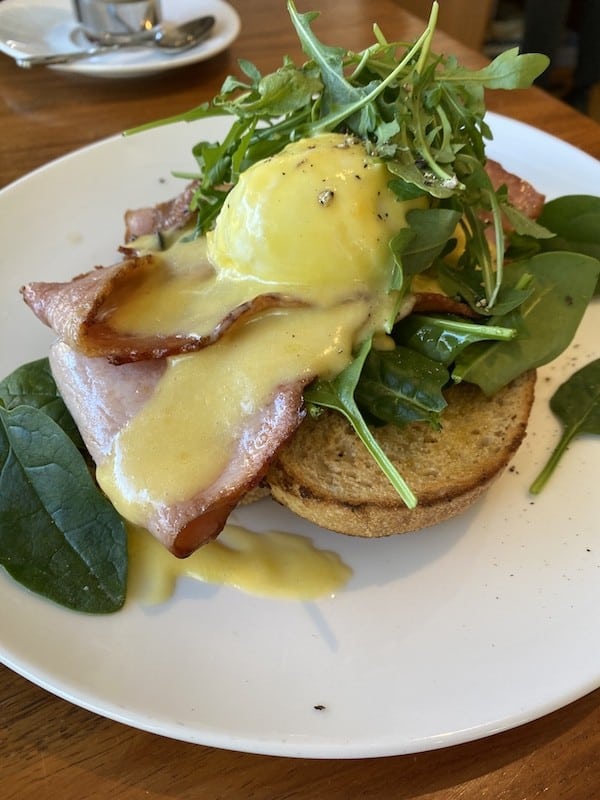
[568,31]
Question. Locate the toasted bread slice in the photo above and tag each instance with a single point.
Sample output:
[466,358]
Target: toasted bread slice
[325,474]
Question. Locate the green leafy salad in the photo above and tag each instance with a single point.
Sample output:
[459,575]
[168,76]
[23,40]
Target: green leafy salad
[423,114]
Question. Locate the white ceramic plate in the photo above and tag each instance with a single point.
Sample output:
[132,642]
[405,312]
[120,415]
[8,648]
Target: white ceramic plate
[443,636]
[34,27]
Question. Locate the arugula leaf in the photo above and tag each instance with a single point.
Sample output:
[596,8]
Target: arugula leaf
[525,226]
[509,70]
[338,394]
[577,405]
[422,113]
[338,93]
[480,196]
[59,535]
[287,91]
[32,384]
[465,282]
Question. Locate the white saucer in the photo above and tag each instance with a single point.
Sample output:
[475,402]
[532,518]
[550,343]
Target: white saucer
[32,27]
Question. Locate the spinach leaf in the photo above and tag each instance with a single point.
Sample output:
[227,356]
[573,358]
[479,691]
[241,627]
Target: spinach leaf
[416,247]
[442,338]
[546,322]
[525,226]
[577,405]
[32,384]
[402,386]
[338,394]
[59,535]
[575,219]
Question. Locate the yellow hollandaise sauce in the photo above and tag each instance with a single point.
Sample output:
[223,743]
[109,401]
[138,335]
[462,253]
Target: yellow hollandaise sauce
[312,223]
[269,564]
[187,432]
[317,217]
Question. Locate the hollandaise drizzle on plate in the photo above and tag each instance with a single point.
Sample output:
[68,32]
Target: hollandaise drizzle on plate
[266,564]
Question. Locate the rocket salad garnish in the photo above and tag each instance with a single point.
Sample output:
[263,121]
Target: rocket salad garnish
[420,112]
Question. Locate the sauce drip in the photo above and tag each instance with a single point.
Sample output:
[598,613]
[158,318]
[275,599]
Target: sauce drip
[269,564]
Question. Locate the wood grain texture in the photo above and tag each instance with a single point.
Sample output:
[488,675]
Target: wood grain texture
[465,20]
[52,750]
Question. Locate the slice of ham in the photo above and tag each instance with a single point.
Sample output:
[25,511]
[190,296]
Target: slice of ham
[521,194]
[79,313]
[103,397]
[174,213]
[436,303]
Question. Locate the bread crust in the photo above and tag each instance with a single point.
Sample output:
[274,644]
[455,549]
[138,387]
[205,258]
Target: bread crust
[324,473]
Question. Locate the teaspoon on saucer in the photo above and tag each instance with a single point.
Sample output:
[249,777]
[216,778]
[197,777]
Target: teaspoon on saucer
[167,37]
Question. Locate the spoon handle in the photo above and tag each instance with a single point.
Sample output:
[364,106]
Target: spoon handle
[64,58]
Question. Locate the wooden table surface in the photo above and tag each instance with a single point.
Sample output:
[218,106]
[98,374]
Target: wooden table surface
[51,749]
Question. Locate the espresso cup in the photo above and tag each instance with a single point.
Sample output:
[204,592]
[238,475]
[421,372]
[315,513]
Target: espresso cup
[116,20]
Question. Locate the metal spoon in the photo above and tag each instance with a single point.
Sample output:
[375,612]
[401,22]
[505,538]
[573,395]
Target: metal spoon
[168,37]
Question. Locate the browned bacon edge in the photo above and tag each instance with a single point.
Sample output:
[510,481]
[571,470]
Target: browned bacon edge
[435,303]
[521,194]
[79,313]
[171,214]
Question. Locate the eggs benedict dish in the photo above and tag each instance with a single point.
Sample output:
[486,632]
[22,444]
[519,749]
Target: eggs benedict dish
[342,250]
[185,367]
[296,273]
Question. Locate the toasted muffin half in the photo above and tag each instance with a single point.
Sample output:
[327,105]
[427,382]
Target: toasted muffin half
[325,475]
